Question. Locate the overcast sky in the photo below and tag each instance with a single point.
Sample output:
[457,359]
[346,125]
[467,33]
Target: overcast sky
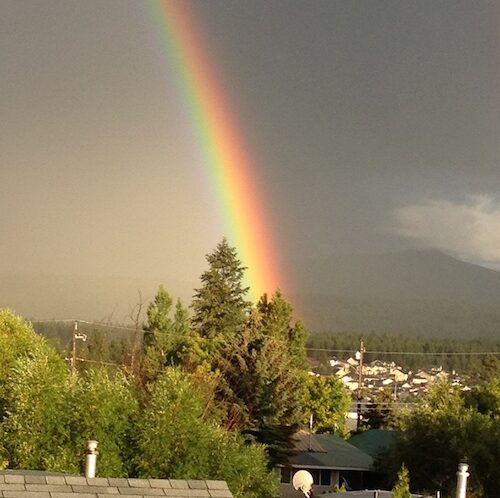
[374,124]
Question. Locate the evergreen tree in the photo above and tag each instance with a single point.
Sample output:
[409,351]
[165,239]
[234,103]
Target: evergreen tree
[158,317]
[378,414]
[258,382]
[219,306]
[276,318]
[263,377]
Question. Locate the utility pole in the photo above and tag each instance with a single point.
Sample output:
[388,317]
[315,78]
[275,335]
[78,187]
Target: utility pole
[73,353]
[76,336]
[359,357]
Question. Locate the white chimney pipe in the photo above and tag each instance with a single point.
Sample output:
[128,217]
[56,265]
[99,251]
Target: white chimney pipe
[462,475]
[91,458]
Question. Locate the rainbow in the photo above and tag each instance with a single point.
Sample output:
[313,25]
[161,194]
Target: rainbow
[230,167]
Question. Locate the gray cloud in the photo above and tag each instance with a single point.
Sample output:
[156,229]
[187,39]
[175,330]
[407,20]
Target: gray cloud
[468,229]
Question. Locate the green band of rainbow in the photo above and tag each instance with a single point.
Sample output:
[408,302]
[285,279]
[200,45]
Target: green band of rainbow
[227,159]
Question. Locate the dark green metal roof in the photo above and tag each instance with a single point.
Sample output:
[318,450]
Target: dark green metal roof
[374,441]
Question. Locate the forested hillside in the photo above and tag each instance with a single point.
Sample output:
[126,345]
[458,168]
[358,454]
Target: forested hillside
[411,353]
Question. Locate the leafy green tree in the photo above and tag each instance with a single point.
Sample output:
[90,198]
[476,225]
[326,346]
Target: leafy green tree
[485,398]
[175,439]
[441,432]
[35,428]
[104,407]
[328,402]
[402,487]
[171,438]
[244,467]
[489,368]
[219,306]
[33,400]
[165,337]
[17,341]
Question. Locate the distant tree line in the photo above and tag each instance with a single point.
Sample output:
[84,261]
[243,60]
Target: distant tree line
[481,366]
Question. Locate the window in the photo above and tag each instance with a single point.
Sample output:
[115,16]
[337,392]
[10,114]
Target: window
[286,475]
[315,474]
[325,478]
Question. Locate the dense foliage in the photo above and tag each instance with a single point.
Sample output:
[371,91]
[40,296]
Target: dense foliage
[449,427]
[219,394]
[175,440]
[48,414]
[328,401]
[212,396]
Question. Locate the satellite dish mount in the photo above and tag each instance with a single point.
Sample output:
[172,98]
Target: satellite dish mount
[303,481]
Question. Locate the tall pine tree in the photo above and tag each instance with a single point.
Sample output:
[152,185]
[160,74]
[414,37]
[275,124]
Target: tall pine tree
[220,309]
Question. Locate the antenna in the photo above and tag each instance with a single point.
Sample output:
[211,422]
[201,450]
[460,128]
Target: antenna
[303,481]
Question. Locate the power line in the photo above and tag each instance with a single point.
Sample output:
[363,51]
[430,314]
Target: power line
[99,362]
[98,324]
[453,353]
[333,350]
[109,326]
[413,353]
[392,403]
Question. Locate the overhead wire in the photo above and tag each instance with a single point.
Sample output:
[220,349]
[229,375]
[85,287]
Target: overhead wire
[424,353]
[414,353]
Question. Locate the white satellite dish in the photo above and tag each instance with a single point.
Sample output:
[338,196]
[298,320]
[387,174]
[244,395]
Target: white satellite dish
[303,481]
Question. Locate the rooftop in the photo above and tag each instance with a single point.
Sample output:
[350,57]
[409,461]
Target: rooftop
[25,484]
[328,452]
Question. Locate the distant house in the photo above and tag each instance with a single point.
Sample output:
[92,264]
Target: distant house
[331,461]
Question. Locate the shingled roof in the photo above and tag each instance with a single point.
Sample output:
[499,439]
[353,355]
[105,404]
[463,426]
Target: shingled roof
[29,485]
[326,451]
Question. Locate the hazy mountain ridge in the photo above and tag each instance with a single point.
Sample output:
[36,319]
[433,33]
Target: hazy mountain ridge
[410,292]
[400,275]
